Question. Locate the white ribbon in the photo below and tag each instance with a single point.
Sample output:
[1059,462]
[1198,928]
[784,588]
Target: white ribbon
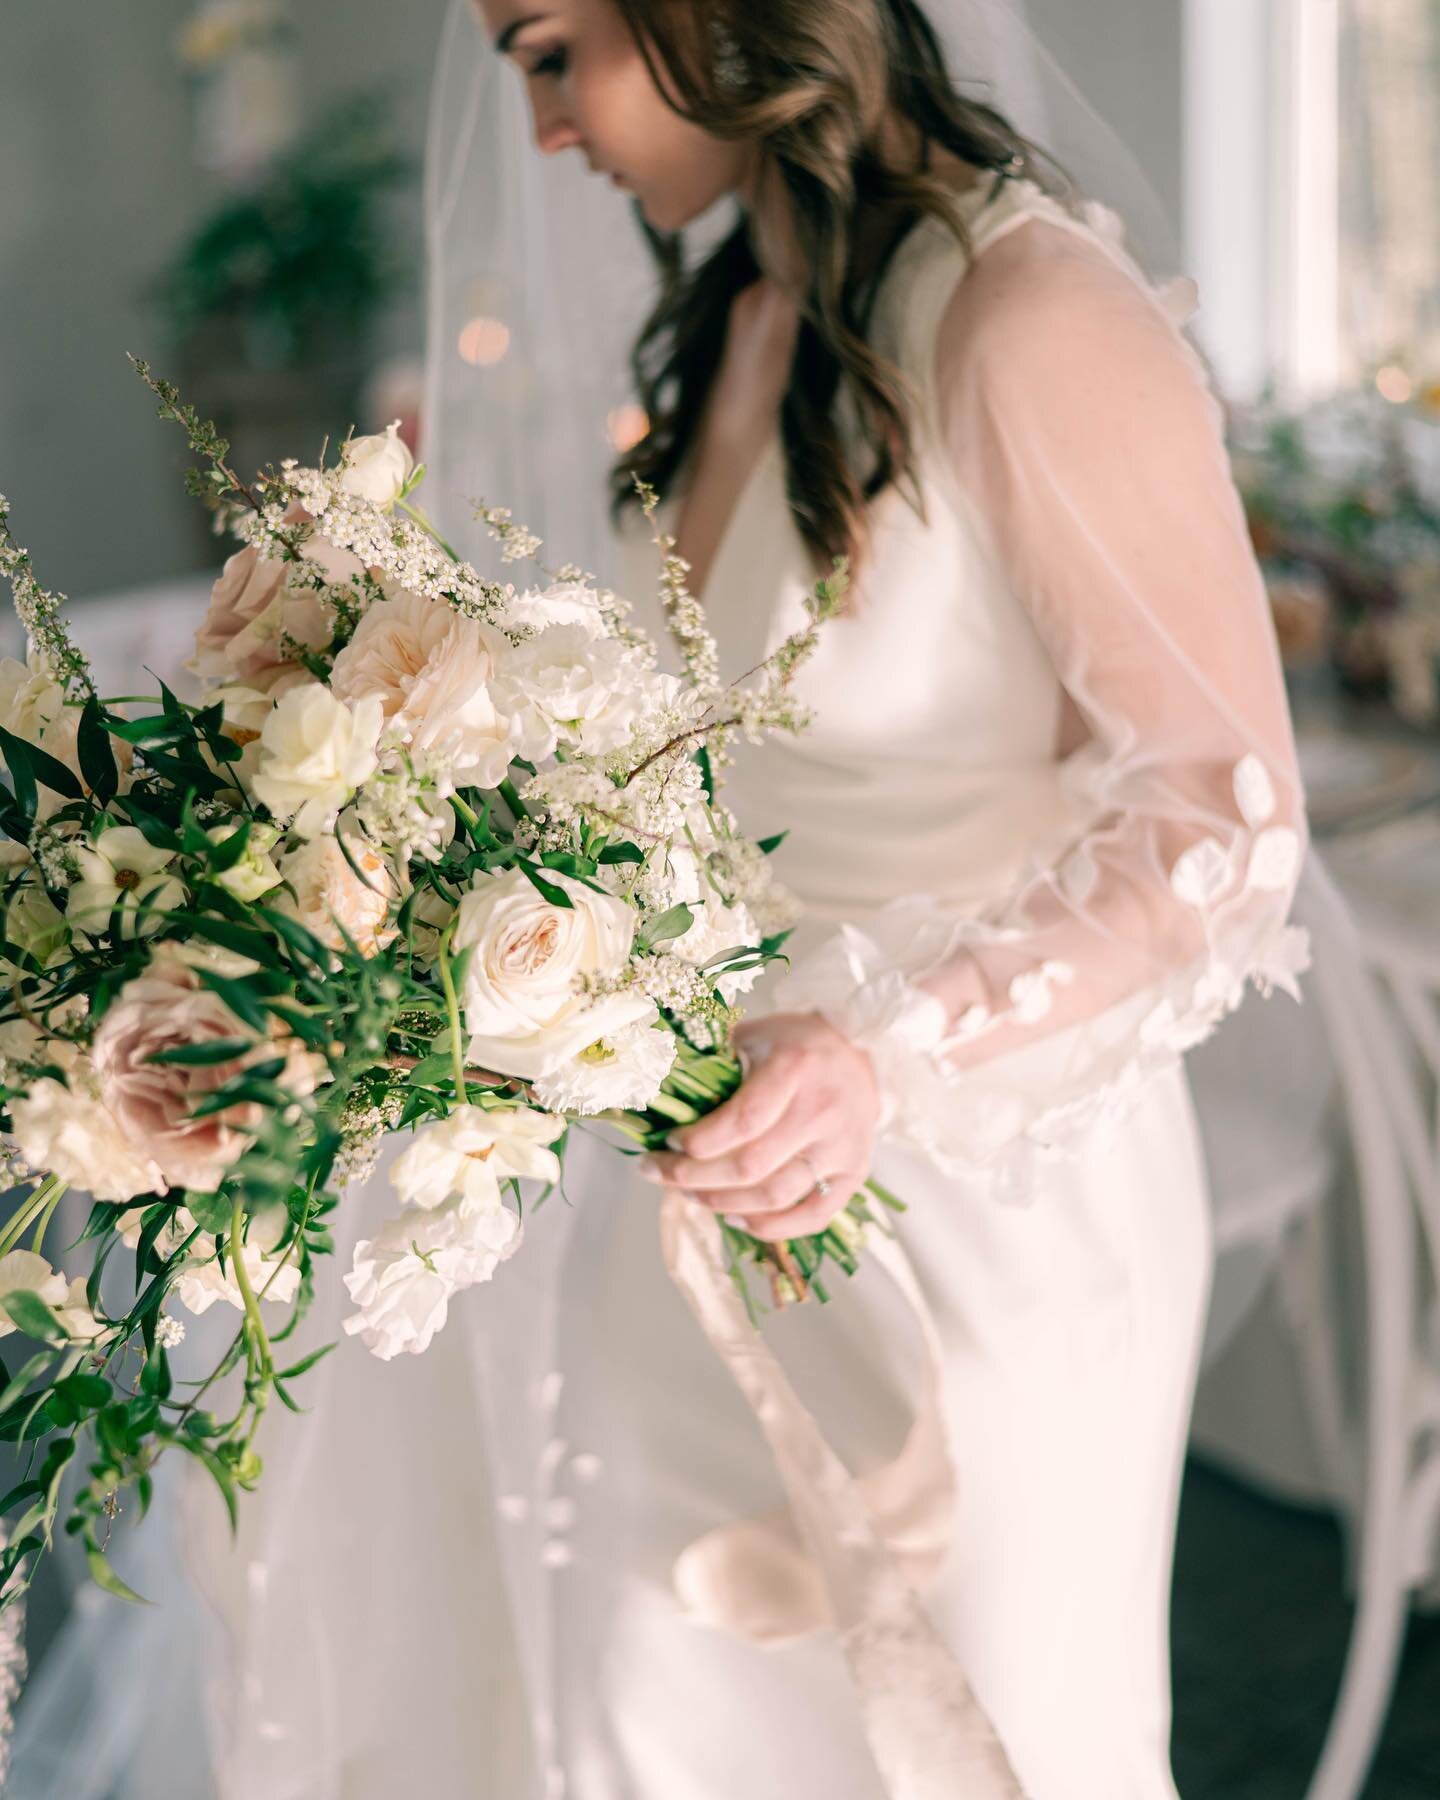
[844,1553]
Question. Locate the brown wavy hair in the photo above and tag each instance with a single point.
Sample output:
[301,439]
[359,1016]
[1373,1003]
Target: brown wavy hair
[819,79]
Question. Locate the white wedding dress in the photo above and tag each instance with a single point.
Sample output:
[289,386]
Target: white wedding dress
[456,1578]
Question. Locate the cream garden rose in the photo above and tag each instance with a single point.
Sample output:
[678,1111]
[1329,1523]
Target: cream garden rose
[331,899]
[257,612]
[430,669]
[314,752]
[524,1008]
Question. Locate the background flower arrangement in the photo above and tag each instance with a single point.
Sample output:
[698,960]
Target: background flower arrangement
[430,854]
[1343,502]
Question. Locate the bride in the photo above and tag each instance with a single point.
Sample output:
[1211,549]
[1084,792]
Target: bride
[1045,824]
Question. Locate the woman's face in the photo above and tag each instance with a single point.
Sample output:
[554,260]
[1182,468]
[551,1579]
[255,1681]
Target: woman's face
[589,90]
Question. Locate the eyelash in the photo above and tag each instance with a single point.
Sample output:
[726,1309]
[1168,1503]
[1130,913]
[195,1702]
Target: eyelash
[553,62]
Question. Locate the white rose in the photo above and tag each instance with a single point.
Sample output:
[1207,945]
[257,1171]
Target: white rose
[330,898]
[24,1269]
[429,668]
[566,685]
[403,1277]
[70,1133]
[377,467]
[122,868]
[314,752]
[522,1005]
[472,1151]
[624,1069]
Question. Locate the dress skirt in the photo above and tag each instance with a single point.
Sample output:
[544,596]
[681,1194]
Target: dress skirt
[455,1577]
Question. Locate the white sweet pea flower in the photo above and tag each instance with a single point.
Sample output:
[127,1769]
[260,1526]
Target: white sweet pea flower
[472,1151]
[69,1132]
[404,1276]
[201,1282]
[377,467]
[314,752]
[73,1312]
[522,998]
[430,669]
[121,868]
[624,1070]
[23,1269]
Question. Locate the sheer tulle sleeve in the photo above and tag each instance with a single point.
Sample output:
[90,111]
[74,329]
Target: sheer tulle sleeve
[1087,446]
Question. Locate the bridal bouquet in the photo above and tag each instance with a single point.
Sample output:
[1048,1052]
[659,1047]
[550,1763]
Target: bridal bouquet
[431,855]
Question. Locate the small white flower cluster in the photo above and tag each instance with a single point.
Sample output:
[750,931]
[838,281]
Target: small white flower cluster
[405,553]
[405,805]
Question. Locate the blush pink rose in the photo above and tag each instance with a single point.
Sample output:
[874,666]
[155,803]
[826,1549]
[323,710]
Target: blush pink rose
[153,1103]
[254,608]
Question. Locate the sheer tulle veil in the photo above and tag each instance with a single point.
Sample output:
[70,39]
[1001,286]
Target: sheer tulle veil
[537,280]
[538,276]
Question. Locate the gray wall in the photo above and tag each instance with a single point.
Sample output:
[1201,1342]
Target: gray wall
[100,180]
[96,145]
[1125,57]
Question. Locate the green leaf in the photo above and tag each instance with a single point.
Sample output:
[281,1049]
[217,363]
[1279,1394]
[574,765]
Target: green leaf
[230,848]
[307,1362]
[237,997]
[23,1376]
[34,1317]
[239,938]
[621,853]
[22,778]
[97,759]
[108,1579]
[212,1210]
[218,1050]
[771,844]
[546,889]
[45,767]
[154,831]
[673,923]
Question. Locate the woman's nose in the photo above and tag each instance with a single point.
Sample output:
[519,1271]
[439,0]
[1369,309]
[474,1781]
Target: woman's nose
[554,130]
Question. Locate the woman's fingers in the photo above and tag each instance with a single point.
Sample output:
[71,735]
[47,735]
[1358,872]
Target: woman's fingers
[753,1163]
[808,1216]
[759,1102]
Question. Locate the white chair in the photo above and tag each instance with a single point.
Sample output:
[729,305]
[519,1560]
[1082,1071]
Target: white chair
[1369,1392]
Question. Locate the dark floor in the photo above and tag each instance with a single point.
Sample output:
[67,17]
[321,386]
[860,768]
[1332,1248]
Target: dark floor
[1259,1627]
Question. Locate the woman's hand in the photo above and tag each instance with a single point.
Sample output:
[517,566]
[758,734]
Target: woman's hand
[806,1112]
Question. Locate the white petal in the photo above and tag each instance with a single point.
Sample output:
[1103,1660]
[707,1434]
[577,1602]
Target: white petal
[1254,794]
[1273,859]
[1202,873]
